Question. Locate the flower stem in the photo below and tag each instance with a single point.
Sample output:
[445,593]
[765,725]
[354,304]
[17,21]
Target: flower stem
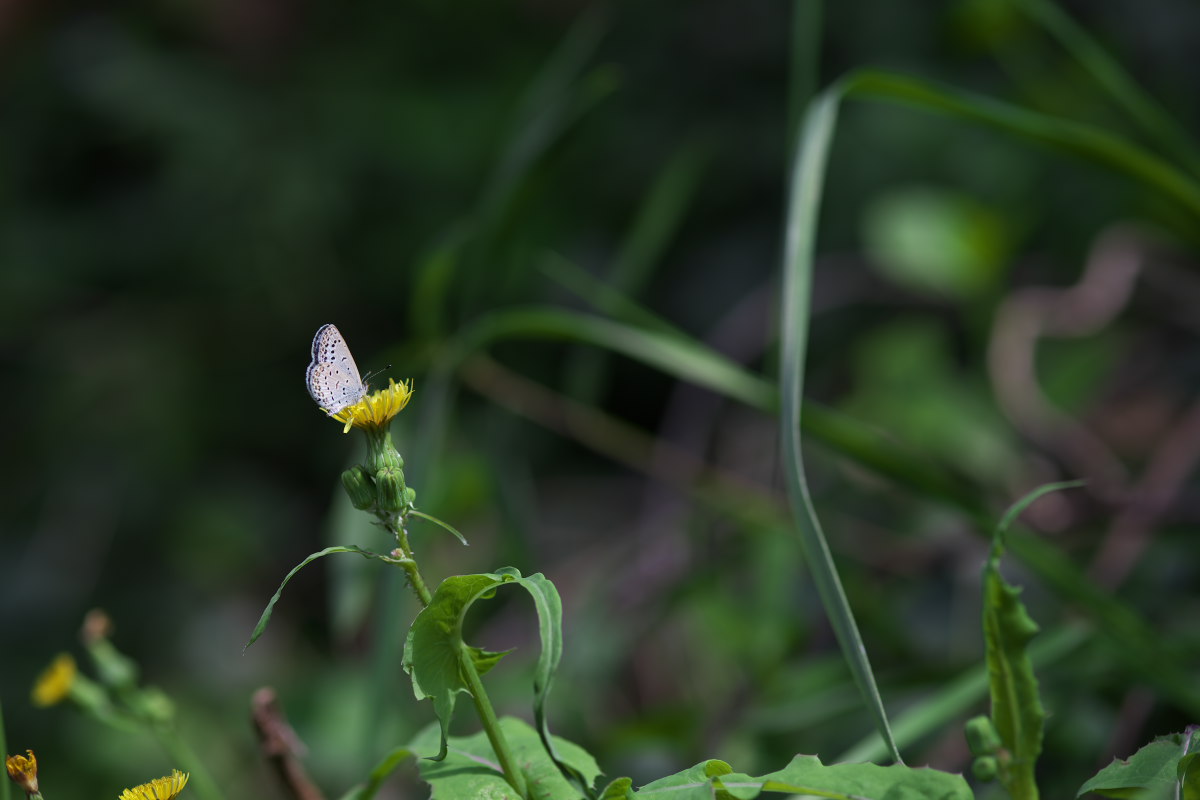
[407,560]
[491,725]
[415,580]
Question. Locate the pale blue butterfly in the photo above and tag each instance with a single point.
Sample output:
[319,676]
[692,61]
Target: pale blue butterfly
[333,378]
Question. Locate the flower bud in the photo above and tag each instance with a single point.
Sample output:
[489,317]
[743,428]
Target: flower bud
[22,770]
[985,768]
[359,486]
[115,668]
[393,494]
[982,737]
[153,704]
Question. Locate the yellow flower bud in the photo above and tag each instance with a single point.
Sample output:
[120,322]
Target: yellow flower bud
[23,771]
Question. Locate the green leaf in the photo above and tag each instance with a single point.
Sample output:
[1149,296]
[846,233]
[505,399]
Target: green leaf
[1152,773]
[485,659]
[435,644]
[440,523]
[620,789]
[1188,770]
[1189,776]
[1007,630]
[266,615]
[806,775]
[469,769]
[1018,508]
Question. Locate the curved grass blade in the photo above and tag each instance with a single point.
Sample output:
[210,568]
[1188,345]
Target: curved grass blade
[804,201]
[1141,106]
[1078,139]
[266,615]
[683,358]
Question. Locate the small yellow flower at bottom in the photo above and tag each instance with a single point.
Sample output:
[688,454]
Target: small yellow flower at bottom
[376,409]
[167,788]
[23,771]
[54,684]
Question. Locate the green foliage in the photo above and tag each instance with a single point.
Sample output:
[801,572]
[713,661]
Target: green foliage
[434,650]
[190,191]
[807,776]
[1017,713]
[469,769]
[1165,769]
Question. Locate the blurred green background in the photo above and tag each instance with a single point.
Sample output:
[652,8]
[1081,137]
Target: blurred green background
[190,189]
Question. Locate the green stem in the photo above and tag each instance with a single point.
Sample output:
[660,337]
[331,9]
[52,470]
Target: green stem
[182,754]
[491,725]
[415,580]
[408,561]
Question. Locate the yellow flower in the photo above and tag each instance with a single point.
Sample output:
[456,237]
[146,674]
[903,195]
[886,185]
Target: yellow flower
[23,771]
[54,684]
[166,788]
[376,409]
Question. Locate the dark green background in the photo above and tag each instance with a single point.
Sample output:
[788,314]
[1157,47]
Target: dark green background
[188,190]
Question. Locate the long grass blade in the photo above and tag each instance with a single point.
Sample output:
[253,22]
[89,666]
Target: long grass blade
[1142,108]
[1078,139]
[804,203]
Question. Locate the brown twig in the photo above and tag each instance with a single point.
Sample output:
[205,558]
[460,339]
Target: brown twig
[281,746]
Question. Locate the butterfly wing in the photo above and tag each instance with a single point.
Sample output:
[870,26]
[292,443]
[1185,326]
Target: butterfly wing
[333,378]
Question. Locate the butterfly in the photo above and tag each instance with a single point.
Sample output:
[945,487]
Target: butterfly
[333,377]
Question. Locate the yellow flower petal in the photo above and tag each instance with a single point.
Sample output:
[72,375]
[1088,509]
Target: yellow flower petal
[23,771]
[167,788]
[376,409]
[54,684]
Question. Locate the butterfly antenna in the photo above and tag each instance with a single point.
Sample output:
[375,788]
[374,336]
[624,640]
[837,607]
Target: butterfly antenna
[376,372]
